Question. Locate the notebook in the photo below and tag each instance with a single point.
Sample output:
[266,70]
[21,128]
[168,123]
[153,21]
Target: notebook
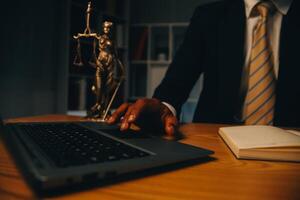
[262,142]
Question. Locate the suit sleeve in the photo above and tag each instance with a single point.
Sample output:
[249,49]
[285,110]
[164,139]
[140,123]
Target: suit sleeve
[186,66]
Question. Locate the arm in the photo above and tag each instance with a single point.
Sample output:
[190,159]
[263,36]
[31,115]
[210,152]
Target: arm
[174,89]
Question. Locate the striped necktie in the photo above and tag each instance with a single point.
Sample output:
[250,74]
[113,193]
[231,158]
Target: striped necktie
[260,98]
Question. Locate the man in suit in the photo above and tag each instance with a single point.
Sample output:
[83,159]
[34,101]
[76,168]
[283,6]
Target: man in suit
[236,44]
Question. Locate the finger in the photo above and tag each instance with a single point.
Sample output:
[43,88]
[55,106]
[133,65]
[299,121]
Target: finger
[171,124]
[136,110]
[125,124]
[133,113]
[118,113]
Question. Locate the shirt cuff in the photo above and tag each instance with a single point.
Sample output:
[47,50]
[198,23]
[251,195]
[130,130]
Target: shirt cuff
[171,108]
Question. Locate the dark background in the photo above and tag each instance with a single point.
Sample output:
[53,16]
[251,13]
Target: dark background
[35,46]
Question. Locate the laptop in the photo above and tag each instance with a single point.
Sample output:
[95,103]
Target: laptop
[56,155]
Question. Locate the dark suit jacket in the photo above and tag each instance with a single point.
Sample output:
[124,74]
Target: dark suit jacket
[214,45]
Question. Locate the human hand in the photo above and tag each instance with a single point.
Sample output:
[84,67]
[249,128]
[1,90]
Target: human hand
[149,114]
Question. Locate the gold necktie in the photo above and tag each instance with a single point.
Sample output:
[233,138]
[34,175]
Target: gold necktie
[260,98]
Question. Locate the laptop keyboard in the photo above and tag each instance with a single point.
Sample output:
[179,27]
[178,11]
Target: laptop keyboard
[68,144]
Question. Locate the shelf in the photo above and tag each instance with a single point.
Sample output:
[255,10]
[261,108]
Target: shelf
[160,44]
[160,62]
[152,47]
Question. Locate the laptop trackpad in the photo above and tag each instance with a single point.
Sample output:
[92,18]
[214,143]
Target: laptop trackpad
[129,134]
[114,130]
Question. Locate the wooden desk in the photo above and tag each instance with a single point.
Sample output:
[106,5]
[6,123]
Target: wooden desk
[223,178]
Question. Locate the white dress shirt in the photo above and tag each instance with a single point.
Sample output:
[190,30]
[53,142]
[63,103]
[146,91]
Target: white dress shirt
[274,27]
[281,8]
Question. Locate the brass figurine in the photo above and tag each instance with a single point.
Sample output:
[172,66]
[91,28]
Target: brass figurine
[86,34]
[108,77]
[109,69]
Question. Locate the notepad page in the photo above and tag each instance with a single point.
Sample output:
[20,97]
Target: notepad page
[245,137]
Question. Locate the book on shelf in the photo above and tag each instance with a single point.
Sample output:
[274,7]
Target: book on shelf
[140,49]
[262,142]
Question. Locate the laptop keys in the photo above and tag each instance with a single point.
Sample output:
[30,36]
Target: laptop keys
[68,144]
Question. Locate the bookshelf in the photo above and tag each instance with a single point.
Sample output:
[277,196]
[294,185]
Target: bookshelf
[152,47]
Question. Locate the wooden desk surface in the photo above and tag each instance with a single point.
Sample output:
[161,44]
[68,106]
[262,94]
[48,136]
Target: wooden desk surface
[223,178]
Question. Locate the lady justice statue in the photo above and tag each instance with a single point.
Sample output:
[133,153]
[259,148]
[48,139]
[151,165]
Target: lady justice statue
[109,69]
[108,77]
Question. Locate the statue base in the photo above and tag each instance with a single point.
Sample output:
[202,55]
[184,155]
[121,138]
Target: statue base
[95,119]
[102,124]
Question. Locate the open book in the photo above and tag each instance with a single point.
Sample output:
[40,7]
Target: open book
[262,142]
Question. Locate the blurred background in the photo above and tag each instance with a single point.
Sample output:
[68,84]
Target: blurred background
[37,74]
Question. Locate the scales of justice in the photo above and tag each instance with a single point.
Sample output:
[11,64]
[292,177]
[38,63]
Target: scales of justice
[109,70]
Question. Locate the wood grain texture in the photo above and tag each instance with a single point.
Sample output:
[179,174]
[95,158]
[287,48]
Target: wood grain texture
[225,177]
